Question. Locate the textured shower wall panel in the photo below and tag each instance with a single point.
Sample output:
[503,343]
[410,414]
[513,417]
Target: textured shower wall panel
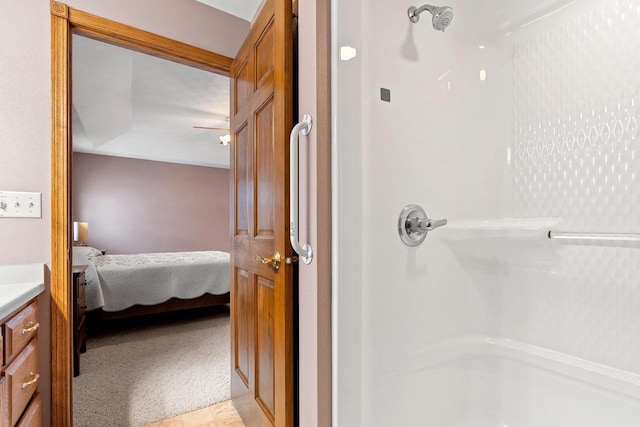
[575,157]
[576,121]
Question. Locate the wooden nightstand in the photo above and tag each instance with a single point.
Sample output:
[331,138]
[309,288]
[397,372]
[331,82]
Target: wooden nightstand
[79,318]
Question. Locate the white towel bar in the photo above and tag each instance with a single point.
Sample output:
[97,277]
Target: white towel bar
[600,237]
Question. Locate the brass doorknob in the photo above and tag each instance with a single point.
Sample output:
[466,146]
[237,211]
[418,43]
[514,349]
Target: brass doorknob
[273,261]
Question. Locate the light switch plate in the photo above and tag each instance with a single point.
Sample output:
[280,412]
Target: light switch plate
[16,204]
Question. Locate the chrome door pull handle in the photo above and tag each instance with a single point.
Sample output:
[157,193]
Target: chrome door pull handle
[305,251]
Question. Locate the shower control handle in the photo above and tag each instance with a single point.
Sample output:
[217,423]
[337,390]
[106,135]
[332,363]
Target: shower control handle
[431,224]
[414,225]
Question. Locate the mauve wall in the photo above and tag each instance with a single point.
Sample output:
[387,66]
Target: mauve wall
[141,206]
[314,295]
[25,111]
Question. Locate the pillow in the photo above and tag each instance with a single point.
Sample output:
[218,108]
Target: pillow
[84,254]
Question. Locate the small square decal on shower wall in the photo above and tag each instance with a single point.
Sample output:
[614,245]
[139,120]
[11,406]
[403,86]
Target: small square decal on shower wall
[385,94]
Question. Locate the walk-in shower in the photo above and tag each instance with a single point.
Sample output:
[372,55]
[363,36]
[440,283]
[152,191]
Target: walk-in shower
[519,125]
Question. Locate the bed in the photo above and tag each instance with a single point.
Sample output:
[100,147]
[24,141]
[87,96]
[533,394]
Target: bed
[136,284]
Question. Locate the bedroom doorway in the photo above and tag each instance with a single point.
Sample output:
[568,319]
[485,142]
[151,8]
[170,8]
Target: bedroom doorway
[263,286]
[145,131]
[68,23]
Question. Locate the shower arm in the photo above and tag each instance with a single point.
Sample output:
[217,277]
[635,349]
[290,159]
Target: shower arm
[414,12]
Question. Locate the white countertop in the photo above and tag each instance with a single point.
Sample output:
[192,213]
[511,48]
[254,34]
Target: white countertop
[18,284]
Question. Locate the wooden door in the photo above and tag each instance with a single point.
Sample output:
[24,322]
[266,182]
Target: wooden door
[262,372]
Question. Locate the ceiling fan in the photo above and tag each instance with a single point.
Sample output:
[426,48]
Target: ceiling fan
[205,127]
[224,139]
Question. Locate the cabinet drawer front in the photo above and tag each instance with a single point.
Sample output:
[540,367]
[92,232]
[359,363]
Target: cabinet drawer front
[33,415]
[80,334]
[81,287]
[22,380]
[82,308]
[3,400]
[20,329]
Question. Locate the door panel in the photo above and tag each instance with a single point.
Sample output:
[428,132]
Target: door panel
[243,300]
[262,310]
[264,56]
[243,84]
[264,356]
[242,180]
[264,171]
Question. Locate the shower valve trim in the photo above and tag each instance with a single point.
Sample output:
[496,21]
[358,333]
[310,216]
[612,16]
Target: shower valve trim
[414,225]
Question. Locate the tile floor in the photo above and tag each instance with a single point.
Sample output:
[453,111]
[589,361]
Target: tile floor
[222,414]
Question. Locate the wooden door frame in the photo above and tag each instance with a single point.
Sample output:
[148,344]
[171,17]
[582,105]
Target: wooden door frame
[66,21]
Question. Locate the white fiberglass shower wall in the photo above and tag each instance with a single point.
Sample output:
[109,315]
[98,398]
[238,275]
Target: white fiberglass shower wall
[520,119]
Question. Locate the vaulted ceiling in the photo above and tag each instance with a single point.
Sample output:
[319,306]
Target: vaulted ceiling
[244,9]
[129,104]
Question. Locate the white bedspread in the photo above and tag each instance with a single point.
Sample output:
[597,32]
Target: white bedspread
[147,279]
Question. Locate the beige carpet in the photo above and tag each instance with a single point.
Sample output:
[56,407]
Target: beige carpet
[148,369]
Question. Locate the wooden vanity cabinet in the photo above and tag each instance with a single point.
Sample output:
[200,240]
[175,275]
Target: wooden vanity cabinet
[19,376]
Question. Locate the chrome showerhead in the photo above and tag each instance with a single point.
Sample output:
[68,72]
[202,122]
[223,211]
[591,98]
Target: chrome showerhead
[442,15]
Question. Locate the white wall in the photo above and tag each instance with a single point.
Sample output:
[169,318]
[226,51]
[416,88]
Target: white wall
[348,214]
[25,110]
[471,150]
[440,143]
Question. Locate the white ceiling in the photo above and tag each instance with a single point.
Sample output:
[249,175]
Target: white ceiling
[245,9]
[129,104]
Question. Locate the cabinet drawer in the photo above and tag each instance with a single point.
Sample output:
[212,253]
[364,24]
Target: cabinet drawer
[33,415]
[20,329]
[3,400]
[80,333]
[22,380]
[81,287]
[82,309]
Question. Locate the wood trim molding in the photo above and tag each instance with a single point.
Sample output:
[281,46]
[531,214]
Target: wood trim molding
[132,38]
[59,9]
[61,398]
[64,22]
